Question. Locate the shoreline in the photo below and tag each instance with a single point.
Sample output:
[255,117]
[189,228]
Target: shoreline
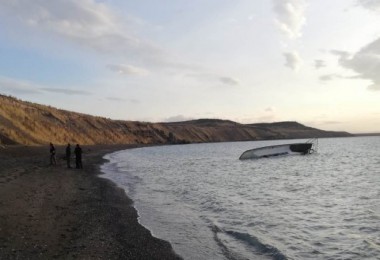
[54,212]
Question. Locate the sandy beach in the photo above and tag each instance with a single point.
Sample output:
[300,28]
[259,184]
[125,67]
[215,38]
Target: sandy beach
[51,212]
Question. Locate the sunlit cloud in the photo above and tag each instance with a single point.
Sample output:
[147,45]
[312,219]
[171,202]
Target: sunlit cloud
[293,60]
[290,16]
[127,69]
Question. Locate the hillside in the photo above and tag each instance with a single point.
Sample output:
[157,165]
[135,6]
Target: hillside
[28,123]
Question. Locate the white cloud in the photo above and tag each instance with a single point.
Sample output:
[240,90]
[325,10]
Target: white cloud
[226,80]
[13,86]
[374,87]
[293,60]
[93,25]
[229,81]
[16,86]
[264,115]
[66,91]
[127,69]
[118,99]
[373,5]
[290,16]
[330,77]
[319,64]
[366,63]
[86,22]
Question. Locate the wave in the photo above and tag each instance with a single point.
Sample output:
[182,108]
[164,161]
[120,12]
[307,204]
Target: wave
[228,253]
[260,248]
[251,240]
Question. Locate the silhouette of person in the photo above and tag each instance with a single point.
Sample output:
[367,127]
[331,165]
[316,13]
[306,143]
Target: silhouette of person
[53,161]
[78,157]
[68,155]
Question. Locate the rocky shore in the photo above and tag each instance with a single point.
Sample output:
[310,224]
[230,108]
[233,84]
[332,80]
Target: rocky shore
[49,212]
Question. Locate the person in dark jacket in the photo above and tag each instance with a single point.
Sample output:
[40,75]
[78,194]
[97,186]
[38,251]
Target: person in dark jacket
[53,161]
[78,157]
[68,155]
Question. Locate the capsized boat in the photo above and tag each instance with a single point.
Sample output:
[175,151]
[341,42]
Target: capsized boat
[276,150]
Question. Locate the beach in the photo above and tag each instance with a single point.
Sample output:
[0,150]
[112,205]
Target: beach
[54,212]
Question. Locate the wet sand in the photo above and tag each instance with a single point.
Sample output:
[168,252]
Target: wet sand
[49,212]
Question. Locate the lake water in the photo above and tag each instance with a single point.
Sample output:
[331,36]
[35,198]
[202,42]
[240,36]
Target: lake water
[210,205]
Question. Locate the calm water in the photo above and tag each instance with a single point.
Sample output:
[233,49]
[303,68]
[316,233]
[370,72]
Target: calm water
[210,205]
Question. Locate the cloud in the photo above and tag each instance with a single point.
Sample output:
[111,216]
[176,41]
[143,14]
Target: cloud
[374,87]
[290,16]
[319,64]
[270,109]
[321,123]
[330,77]
[264,115]
[127,69]
[331,122]
[229,81]
[341,54]
[178,118]
[293,60]
[226,80]
[122,100]
[66,91]
[18,86]
[93,25]
[366,63]
[265,118]
[86,22]
[373,5]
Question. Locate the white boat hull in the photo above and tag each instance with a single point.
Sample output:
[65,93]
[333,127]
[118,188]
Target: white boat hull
[276,150]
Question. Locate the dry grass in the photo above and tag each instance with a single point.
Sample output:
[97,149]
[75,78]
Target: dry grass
[28,123]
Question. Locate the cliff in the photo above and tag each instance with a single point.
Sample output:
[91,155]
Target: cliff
[28,123]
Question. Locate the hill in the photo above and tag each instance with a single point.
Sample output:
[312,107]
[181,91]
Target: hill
[28,123]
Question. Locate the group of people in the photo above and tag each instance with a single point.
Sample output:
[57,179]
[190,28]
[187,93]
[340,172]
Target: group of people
[77,152]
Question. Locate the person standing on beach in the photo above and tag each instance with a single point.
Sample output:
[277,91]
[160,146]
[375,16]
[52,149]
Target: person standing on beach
[68,155]
[78,157]
[53,161]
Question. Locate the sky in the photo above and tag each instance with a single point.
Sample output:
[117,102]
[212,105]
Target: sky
[312,61]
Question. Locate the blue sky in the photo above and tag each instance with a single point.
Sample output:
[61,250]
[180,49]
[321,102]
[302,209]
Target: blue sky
[315,62]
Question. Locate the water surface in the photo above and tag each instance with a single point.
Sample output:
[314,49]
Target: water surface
[210,205]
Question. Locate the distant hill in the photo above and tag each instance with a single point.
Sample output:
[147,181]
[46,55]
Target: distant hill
[28,123]
[368,134]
